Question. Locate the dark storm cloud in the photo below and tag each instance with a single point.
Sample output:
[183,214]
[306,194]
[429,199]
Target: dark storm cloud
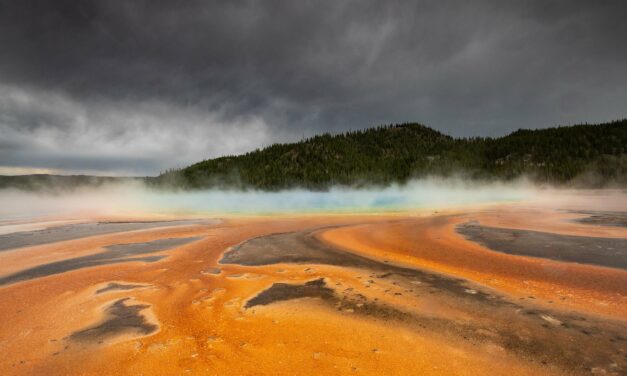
[169,83]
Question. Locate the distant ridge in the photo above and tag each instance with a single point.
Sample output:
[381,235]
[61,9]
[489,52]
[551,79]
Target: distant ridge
[580,155]
[39,182]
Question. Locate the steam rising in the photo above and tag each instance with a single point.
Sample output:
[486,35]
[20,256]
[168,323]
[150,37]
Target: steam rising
[135,199]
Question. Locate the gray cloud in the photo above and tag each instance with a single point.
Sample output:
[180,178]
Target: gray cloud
[139,86]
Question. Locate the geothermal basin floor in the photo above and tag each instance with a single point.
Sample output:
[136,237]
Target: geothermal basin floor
[462,292]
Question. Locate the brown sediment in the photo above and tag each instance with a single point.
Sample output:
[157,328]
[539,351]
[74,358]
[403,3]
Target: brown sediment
[116,286]
[558,343]
[19,259]
[603,218]
[543,336]
[211,271]
[286,291]
[563,222]
[121,318]
[302,247]
[81,230]
[433,243]
[327,294]
[609,252]
[114,254]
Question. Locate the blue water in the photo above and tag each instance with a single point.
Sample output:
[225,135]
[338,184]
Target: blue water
[338,200]
[137,199]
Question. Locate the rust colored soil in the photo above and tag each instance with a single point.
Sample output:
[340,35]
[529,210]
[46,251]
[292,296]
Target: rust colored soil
[319,294]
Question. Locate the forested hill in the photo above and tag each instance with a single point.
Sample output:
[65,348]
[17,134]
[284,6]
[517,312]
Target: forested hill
[581,155]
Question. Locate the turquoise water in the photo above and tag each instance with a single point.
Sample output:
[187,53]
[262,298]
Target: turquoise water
[136,199]
[337,200]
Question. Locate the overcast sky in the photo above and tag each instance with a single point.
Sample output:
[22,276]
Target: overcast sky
[136,87]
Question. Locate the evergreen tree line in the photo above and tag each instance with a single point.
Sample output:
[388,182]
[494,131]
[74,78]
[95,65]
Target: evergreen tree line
[584,155]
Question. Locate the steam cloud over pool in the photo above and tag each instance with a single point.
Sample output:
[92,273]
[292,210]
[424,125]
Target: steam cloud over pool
[137,198]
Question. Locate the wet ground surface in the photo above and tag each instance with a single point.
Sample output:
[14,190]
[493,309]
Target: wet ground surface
[115,286]
[303,248]
[75,231]
[608,252]
[577,343]
[286,291]
[371,295]
[113,254]
[121,318]
[603,218]
[539,335]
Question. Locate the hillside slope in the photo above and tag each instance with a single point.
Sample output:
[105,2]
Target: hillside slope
[587,155]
